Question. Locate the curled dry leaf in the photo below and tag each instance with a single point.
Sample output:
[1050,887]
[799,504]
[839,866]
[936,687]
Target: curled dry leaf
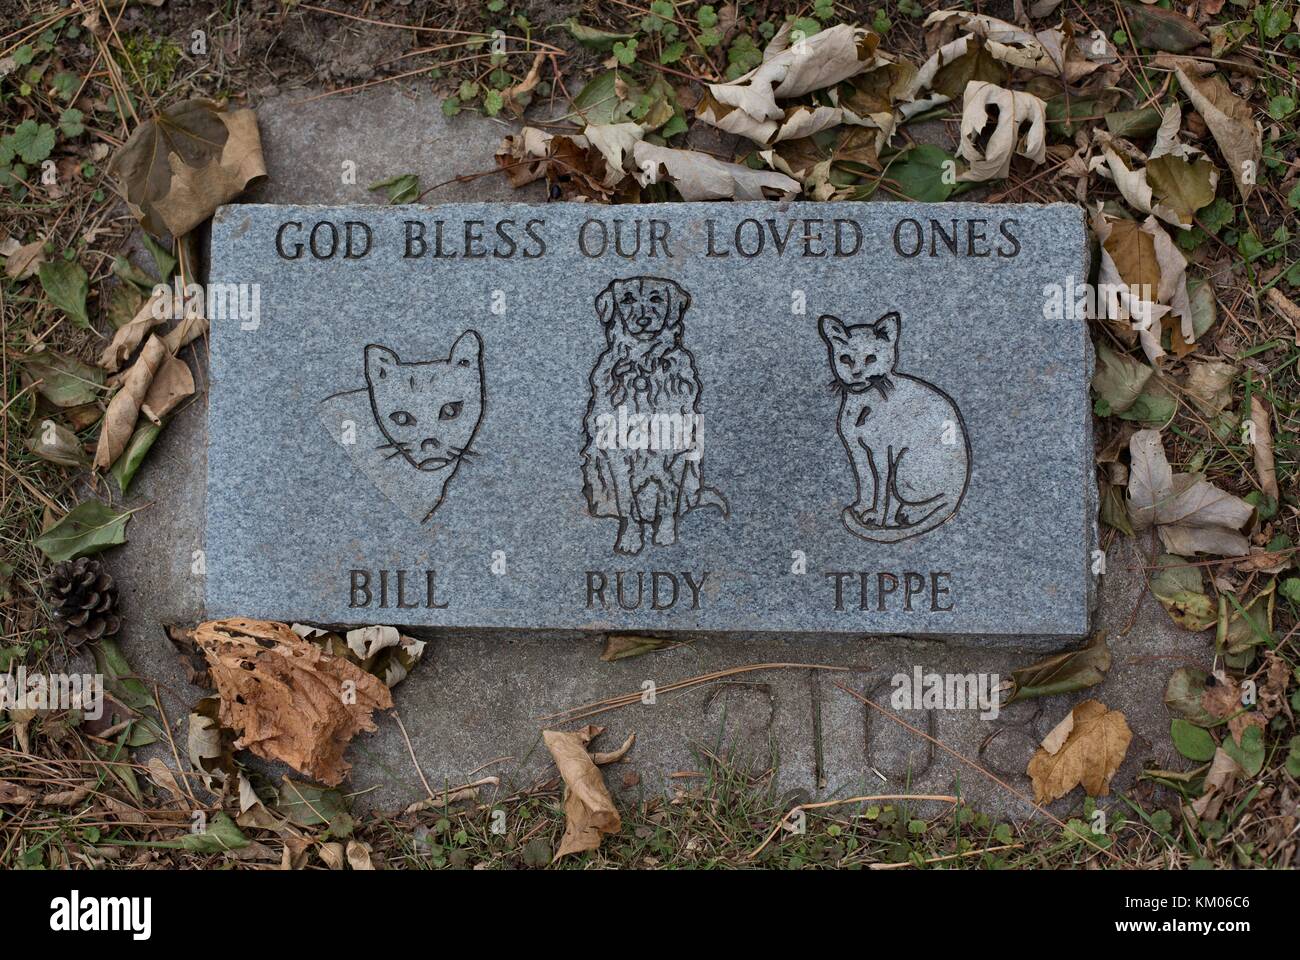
[1063,673]
[1170,187]
[570,162]
[1190,514]
[379,650]
[606,757]
[16,793]
[359,853]
[1287,308]
[127,337]
[1219,780]
[1209,385]
[1015,109]
[518,97]
[796,122]
[589,812]
[1145,277]
[192,326]
[210,746]
[162,775]
[282,695]
[812,63]
[1264,463]
[178,167]
[1232,123]
[615,142]
[1054,52]
[172,384]
[25,261]
[56,443]
[1086,748]
[124,408]
[698,176]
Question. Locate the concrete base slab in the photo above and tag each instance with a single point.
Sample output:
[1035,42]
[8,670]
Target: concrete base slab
[475,705]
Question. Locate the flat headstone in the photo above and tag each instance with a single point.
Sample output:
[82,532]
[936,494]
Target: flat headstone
[846,418]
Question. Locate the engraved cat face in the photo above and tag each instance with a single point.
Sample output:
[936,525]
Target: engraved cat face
[428,411]
[862,355]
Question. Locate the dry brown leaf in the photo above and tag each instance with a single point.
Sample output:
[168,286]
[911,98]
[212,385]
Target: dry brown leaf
[179,166]
[589,811]
[172,384]
[1209,384]
[124,408]
[287,699]
[698,176]
[613,756]
[1015,108]
[70,797]
[191,327]
[132,333]
[615,142]
[15,793]
[1287,307]
[1191,514]
[1219,780]
[331,854]
[522,157]
[359,855]
[1232,122]
[1222,698]
[812,63]
[1089,753]
[163,776]
[296,850]
[1264,465]
[1272,693]
[1147,276]
[25,261]
[518,97]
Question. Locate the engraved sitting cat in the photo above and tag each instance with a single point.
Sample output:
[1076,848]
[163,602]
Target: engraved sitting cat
[413,423]
[905,437]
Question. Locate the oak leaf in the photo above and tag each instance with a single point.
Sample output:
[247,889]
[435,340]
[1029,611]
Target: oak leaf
[283,696]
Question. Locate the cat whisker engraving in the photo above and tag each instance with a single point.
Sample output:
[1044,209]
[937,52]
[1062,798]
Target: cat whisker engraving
[425,413]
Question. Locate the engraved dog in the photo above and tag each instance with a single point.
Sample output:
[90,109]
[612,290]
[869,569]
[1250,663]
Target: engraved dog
[644,376]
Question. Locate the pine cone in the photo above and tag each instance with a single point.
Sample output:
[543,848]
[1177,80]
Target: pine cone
[84,598]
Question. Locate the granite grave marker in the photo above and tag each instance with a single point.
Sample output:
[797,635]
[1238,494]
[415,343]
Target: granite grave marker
[851,418]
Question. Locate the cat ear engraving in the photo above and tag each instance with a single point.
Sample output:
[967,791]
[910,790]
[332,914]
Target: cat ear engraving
[888,326]
[467,349]
[416,421]
[379,360]
[833,330]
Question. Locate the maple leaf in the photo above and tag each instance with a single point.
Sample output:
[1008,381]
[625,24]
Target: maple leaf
[1087,748]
